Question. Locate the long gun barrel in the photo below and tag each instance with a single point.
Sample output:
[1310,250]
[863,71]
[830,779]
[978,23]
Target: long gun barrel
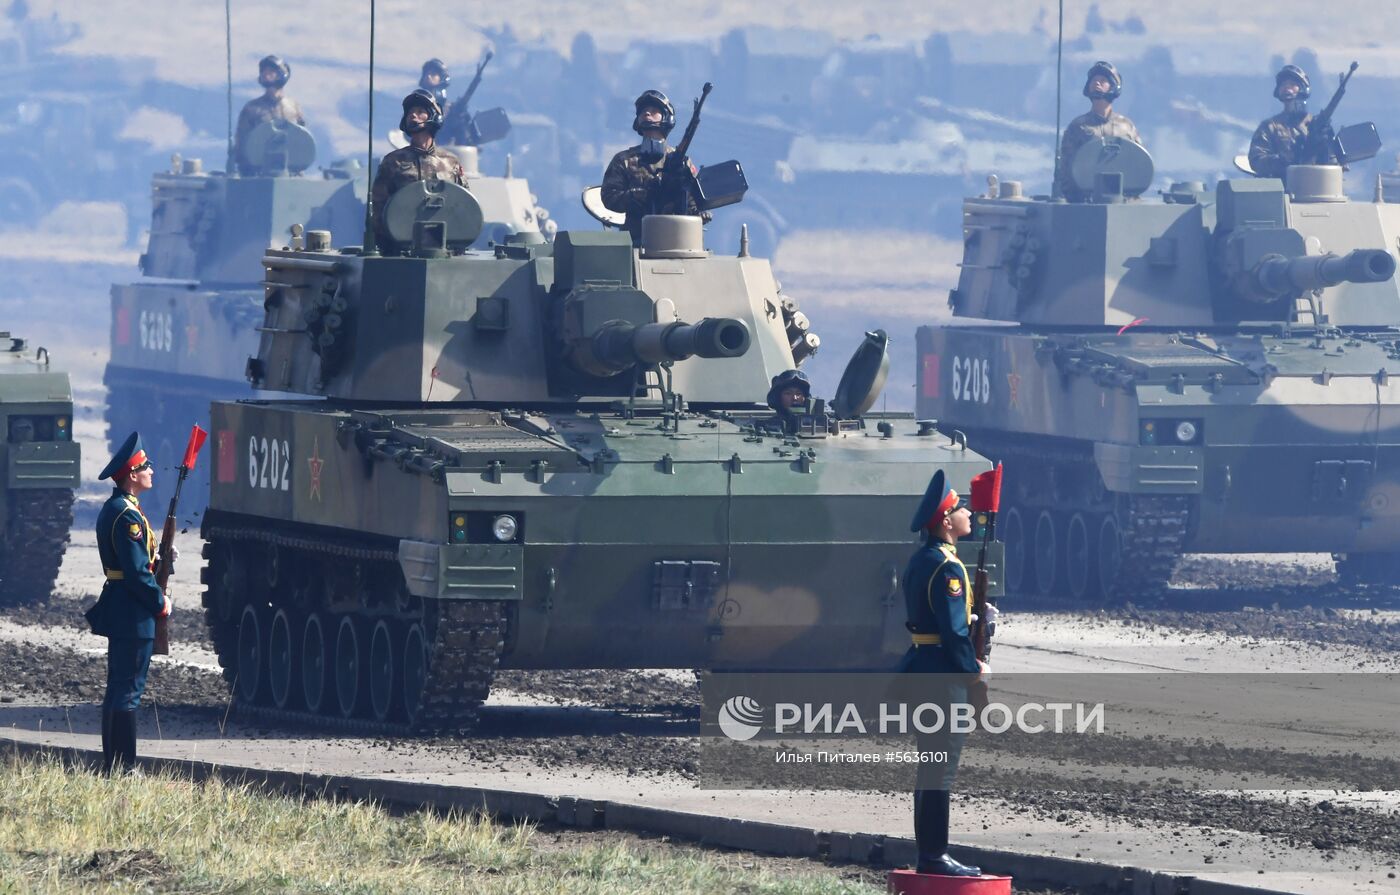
[1277,276]
[619,345]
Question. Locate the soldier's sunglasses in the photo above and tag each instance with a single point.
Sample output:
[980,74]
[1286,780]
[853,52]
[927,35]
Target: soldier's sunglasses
[143,467]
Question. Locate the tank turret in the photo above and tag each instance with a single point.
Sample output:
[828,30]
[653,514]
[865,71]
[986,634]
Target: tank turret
[1196,258]
[585,317]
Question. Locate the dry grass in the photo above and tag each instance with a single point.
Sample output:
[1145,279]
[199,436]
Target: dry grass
[65,831]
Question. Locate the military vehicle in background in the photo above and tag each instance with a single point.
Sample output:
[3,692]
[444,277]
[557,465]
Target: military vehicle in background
[543,456]
[1205,373]
[182,335]
[41,463]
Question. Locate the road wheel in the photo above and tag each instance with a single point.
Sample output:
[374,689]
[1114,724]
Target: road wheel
[1013,536]
[281,661]
[349,667]
[1110,558]
[313,664]
[1079,558]
[1047,554]
[383,671]
[415,672]
[251,675]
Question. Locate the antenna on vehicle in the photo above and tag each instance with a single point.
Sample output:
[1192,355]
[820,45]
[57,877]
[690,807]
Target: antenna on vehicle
[369,247]
[229,166]
[1059,83]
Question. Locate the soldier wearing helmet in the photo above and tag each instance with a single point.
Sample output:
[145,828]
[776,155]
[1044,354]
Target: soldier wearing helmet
[1278,142]
[436,80]
[273,74]
[421,159]
[789,394]
[1102,86]
[635,183]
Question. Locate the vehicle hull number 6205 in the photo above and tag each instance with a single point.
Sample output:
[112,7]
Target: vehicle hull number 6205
[269,463]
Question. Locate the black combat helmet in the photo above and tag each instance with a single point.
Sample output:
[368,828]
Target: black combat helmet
[787,379]
[437,67]
[1114,79]
[274,62]
[1296,74]
[655,99]
[423,99]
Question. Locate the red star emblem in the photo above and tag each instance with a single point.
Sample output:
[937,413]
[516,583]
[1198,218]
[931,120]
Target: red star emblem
[316,463]
[1013,379]
[191,339]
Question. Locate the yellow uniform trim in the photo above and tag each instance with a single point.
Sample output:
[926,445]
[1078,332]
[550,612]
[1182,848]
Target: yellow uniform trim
[114,574]
[950,555]
[927,640]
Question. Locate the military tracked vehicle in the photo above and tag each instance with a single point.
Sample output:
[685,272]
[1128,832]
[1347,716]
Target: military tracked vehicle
[543,456]
[41,462]
[1206,373]
[182,334]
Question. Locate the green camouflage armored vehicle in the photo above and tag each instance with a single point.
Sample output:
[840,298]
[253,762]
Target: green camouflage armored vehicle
[543,456]
[41,466]
[1205,373]
[183,333]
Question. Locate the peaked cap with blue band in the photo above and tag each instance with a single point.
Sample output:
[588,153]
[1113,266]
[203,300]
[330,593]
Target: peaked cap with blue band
[938,499]
[129,456]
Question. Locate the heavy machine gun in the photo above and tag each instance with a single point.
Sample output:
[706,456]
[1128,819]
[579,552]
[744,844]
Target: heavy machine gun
[461,128]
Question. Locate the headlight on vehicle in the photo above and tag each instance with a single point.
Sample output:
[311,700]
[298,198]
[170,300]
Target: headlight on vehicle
[1186,431]
[504,528]
[63,429]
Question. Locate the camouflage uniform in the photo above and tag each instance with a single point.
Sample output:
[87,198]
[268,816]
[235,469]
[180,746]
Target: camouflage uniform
[1089,126]
[634,187]
[263,108]
[410,165]
[1277,143]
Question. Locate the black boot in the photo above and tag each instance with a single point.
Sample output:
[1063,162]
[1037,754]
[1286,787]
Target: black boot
[124,740]
[931,812]
[107,751]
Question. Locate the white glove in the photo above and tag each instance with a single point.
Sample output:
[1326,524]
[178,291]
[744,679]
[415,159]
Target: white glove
[174,553]
[992,613]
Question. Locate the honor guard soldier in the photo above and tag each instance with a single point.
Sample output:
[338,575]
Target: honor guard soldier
[273,75]
[1278,142]
[421,159]
[938,599]
[635,183]
[131,600]
[1102,86]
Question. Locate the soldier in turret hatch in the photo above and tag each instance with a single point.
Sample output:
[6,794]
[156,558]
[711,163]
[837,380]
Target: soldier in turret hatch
[1279,141]
[790,395]
[421,159]
[273,105]
[436,80]
[636,183]
[1102,87]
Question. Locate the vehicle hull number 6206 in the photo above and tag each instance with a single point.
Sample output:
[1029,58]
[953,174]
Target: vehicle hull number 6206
[972,379]
[269,463]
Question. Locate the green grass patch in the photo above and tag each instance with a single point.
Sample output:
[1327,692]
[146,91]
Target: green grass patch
[65,830]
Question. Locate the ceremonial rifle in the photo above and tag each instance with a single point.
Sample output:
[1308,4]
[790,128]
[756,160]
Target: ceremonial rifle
[165,561]
[986,498]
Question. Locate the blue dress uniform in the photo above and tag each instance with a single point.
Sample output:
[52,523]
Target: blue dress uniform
[938,600]
[126,611]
